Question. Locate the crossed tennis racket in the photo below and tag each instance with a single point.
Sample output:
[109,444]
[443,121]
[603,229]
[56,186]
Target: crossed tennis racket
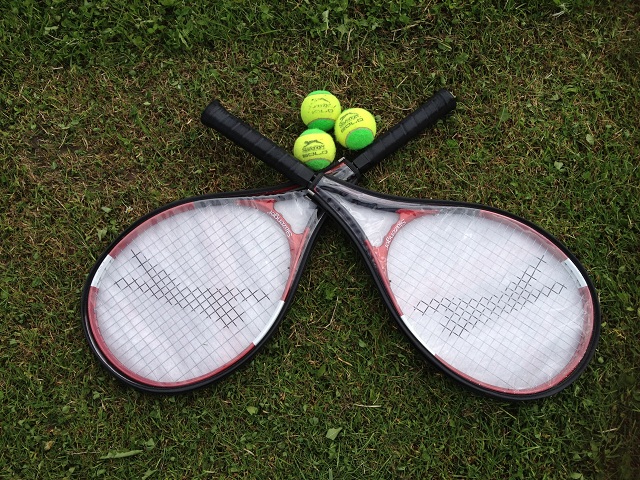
[190,292]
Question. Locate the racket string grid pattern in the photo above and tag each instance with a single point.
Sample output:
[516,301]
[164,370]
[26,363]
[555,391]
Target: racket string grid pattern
[189,291]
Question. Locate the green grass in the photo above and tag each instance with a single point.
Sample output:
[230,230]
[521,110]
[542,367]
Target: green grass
[99,124]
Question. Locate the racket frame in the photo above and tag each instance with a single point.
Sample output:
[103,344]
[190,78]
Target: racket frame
[86,306]
[358,238]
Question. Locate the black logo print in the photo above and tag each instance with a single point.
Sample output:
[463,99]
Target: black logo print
[221,303]
[463,314]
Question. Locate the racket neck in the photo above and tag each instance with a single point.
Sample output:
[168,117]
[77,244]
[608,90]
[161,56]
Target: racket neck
[344,170]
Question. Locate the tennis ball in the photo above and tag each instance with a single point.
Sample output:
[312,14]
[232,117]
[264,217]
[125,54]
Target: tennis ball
[320,109]
[315,148]
[355,128]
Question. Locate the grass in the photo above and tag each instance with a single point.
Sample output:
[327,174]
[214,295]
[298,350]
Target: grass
[99,125]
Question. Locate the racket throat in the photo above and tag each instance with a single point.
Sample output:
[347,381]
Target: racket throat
[343,169]
[378,257]
[380,254]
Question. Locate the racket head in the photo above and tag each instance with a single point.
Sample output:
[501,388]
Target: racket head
[491,299]
[190,292]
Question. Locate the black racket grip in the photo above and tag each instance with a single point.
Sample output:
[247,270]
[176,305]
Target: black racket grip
[243,135]
[437,107]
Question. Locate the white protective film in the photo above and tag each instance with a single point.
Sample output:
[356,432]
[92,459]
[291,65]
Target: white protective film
[489,299]
[192,291]
[492,299]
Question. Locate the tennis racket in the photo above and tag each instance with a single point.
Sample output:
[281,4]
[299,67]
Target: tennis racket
[491,299]
[191,291]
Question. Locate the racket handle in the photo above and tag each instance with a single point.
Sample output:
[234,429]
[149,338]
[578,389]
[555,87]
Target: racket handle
[437,107]
[243,135]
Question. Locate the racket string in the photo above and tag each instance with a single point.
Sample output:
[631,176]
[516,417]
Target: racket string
[483,296]
[463,314]
[182,300]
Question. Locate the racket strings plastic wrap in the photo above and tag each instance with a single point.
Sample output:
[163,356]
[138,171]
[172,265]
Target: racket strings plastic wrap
[492,299]
[187,294]
[192,289]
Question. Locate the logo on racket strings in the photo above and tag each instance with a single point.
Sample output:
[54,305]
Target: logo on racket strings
[224,303]
[461,315]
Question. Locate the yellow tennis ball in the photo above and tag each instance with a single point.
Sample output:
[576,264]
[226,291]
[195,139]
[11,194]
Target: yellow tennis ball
[315,148]
[355,128]
[320,109]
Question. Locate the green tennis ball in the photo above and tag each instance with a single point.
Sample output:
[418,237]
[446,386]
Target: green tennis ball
[355,128]
[320,109]
[315,148]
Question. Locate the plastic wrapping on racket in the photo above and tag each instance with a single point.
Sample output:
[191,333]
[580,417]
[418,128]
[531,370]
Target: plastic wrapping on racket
[493,300]
[189,292]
